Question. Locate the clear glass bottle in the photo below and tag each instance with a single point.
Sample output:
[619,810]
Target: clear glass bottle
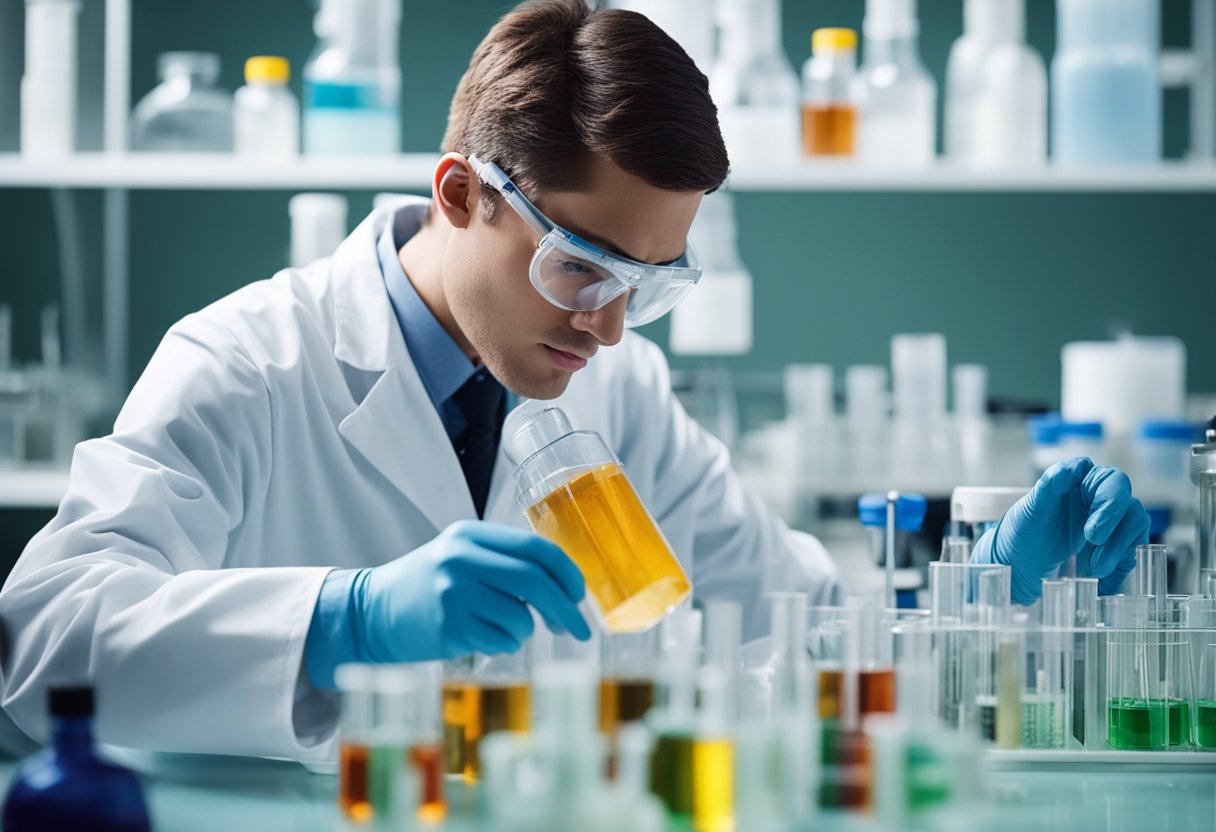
[186,112]
[898,97]
[67,786]
[754,84]
[829,112]
[267,117]
[1106,87]
[352,82]
[576,494]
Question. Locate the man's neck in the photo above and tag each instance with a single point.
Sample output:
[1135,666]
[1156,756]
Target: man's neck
[422,259]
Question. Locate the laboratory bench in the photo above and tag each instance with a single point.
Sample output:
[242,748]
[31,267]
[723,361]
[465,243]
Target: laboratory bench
[188,793]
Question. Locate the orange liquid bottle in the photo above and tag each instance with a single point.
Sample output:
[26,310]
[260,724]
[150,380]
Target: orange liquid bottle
[829,114]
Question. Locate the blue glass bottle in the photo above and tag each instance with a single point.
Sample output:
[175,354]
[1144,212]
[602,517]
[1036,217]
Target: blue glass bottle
[67,786]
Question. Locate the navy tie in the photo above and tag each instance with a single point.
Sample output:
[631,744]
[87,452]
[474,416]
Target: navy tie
[481,400]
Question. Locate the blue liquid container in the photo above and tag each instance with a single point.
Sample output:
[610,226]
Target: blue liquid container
[1106,87]
[67,786]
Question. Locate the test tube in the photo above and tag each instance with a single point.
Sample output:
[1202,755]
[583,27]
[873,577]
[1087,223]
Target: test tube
[483,694]
[713,754]
[1046,708]
[1149,579]
[969,593]
[1089,667]
[792,734]
[410,704]
[628,665]
[357,686]
[675,715]
[956,550]
[792,694]
[858,677]
[1009,663]
[393,784]
[723,637]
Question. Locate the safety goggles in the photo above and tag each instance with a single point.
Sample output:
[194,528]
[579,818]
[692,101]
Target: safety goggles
[574,274]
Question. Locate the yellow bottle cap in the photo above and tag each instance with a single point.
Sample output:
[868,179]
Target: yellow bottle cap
[267,69]
[833,39]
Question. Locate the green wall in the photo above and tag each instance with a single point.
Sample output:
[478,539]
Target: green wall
[1009,278]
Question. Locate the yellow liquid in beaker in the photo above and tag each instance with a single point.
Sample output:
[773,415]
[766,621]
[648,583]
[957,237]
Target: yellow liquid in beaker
[598,520]
[471,711]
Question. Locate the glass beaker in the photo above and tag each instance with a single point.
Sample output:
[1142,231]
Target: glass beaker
[1148,679]
[575,493]
[1205,701]
[481,695]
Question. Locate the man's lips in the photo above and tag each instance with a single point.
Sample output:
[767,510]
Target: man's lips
[566,360]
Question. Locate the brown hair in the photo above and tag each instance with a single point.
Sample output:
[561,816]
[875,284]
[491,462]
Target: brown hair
[555,81]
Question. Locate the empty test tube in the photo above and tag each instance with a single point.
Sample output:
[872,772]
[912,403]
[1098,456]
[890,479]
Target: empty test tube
[1149,579]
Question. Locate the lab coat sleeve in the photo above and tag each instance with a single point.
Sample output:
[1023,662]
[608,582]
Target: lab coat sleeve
[125,587]
[740,549]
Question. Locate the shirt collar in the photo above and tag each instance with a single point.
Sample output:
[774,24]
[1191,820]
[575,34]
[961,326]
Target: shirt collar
[442,364]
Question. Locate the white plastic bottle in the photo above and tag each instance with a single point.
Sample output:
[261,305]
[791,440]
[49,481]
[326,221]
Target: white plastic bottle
[267,116]
[48,87]
[318,226]
[755,85]
[352,82]
[1106,87]
[898,96]
[996,89]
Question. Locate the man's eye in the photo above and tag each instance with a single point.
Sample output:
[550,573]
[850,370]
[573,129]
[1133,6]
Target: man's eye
[577,267]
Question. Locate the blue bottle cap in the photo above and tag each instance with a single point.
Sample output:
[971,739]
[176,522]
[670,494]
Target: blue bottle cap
[1044,430]
[1081,430]
[909,511]
[1158,520]
[1172,430]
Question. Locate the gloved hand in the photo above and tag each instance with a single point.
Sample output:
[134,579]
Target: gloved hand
[1075,508]
[467,590]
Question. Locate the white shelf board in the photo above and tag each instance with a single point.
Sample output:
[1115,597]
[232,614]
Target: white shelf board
[944,177]
[32,487]
[412,171]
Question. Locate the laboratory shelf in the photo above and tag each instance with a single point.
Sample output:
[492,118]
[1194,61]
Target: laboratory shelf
[407,171]
[32,487]
[944,177]
[412,171]
[1028,758]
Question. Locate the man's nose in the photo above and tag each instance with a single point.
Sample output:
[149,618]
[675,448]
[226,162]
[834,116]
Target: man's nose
[606,324]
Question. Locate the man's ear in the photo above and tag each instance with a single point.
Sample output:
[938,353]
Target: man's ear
[455,190]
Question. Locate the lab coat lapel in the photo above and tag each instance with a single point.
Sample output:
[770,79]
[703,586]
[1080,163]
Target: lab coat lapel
[395,426]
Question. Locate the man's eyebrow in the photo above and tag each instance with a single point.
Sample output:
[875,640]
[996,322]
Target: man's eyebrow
[608,245]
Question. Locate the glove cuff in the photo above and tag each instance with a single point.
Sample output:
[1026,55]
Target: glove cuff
[333,634]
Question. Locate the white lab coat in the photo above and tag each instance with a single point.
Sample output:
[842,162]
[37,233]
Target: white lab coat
[282,432]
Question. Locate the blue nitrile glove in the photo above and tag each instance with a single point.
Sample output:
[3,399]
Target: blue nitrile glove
[1075,508]
[467,590]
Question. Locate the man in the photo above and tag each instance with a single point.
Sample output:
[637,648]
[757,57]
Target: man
[298,477]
